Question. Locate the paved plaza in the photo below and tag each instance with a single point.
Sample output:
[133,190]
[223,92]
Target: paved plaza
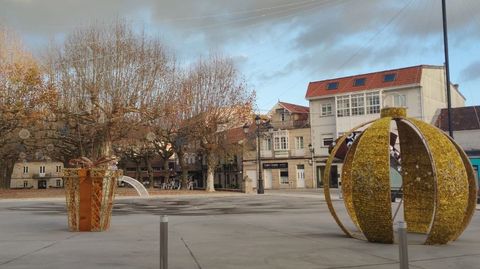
[291,230]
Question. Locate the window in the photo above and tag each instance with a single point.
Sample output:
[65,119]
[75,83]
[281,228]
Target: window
[25,169]
[59,169]
[332,86]
[389,77]
[373,102]
[280,140]
[283,116]
[358,104]
[299,142]
[25,184]
[58,183]
[283,176]
[359,82]
[277,143]
[327,140]
[283,142]
[42,169]
[400,100]
[343,106]
[326,109]
[267,144]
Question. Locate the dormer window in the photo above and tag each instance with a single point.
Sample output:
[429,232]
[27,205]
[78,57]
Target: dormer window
[359,82]
[283,116]
[332,86]
[389,77]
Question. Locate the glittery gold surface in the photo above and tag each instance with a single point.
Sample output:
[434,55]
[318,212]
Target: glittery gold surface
[451,188]
[103,189]
[393,112]
[418,179]
[371,182]
[438,181]
[326,186]
[347,186]
[472,189]
[327,178]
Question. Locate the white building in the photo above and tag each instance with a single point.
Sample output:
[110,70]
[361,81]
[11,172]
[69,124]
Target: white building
[37,175]
[340,104]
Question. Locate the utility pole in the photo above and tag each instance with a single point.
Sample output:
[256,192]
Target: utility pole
[447,68]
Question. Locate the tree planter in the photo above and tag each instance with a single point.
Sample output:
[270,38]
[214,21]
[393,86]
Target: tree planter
[89,196]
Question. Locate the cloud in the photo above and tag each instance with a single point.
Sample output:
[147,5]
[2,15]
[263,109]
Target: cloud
[318,37]
[471,72]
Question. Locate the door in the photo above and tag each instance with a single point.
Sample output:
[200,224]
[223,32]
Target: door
[320,171]
[333,176]
[300,176]
[268,178]
[42,184]
[252,174]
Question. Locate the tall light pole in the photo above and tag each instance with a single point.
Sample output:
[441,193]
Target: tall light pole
[312,152]
[258,122]
[447,68]
[260,189]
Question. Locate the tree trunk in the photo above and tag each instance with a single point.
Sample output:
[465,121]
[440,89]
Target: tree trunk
[166,171]
[137,171]
[148,163]
[210,173]
[183,166]
[6,170]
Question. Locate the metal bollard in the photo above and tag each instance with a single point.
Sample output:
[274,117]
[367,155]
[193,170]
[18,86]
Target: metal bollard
[403,244]
[163,242]
[340,194]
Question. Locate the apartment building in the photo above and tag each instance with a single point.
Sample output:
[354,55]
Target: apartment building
[285,157]
[340,104]
[37,175]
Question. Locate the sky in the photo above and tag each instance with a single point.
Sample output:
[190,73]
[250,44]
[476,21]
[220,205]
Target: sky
[279,45]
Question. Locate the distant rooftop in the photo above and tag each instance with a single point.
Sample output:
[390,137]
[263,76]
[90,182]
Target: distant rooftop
[292,108]
[463,118]
[370,81]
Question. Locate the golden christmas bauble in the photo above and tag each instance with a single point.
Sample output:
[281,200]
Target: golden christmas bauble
[438,183]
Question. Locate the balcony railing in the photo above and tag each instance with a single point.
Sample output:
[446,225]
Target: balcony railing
[282,153]
[42,176]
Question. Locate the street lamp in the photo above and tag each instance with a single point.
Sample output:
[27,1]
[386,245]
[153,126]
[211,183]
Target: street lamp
[312,153]
[258,121]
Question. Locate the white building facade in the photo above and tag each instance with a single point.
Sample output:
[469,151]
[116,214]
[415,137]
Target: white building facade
[340,104]
[284,153]
[37,175]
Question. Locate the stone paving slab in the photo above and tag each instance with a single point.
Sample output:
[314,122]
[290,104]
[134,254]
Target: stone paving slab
[277,230]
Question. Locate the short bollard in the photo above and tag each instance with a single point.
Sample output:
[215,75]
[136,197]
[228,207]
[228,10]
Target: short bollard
[403,244]
[164,242]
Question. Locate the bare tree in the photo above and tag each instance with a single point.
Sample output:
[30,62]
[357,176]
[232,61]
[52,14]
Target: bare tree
[23,100]
[105,75]
[218,100]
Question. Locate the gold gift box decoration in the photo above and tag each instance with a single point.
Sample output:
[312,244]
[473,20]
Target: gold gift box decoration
[439,187]
[89,197]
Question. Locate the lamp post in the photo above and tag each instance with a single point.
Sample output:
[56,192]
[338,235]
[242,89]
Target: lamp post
[312,153]
[269,127]
[260,189]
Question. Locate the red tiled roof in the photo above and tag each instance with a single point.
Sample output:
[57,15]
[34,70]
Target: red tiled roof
[235,135]
[463,118]
[404,76]
[295,108]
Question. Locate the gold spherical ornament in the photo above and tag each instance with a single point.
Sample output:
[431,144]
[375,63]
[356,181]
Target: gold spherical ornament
[438,183]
